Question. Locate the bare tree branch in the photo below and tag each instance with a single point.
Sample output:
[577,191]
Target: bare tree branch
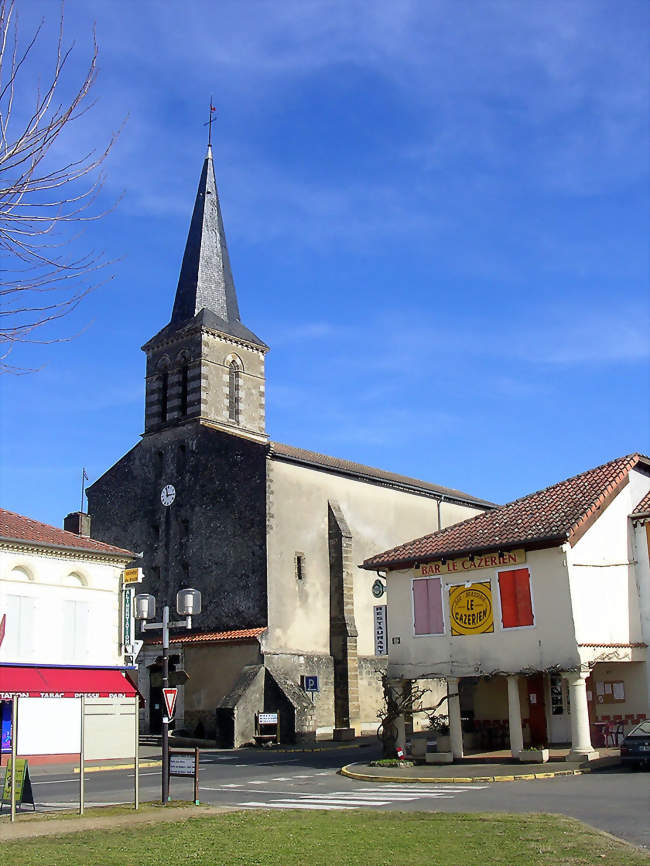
[40,200]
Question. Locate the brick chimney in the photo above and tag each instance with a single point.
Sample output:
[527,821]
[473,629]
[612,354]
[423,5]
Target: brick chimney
[77,522]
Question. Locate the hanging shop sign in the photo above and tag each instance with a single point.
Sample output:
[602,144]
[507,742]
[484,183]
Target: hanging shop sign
[381,634]
[472,563]
[132,575]
[128,617]
[470,608]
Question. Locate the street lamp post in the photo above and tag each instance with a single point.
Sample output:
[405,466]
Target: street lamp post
[188,604]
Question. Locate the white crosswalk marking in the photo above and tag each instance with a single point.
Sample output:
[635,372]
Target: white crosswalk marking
[329,799]
[378,795]
[295,805]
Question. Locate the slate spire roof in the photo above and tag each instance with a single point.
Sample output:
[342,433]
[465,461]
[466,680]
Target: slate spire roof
[547,518]
[206,290]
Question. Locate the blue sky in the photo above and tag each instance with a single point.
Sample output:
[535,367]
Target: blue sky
[437,216]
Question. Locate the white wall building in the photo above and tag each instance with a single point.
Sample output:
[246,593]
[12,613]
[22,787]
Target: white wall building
[536,613]
[61,618]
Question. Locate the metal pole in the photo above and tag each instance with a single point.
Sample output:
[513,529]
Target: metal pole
[82,778]
[14,737]
[196,775]
[136,759]
[165,721]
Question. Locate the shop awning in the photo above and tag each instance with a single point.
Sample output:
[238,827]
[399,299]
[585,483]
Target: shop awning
[36,682]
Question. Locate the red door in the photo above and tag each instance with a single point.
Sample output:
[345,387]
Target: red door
[537,710]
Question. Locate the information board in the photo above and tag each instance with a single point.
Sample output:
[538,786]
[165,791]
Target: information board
[182,764]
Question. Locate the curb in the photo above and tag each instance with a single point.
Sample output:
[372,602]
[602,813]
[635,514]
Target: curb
[458,780]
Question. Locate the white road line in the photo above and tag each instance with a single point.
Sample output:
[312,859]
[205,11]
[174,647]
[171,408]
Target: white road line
[54,781]
[282,779]
[295,806]
[303,777]
[335,800]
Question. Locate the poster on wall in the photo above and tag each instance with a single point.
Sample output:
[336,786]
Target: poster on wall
[470,608]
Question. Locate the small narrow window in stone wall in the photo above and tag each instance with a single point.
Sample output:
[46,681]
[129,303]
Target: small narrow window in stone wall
[300,566]
[233,391]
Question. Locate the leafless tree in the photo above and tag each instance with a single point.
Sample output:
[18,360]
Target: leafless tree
[45,199]
[404,702]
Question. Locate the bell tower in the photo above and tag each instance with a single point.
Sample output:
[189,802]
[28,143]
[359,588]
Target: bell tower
[205,365]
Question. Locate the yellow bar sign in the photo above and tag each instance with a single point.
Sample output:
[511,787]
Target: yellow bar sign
[462,564]
[470,608]
[132,575]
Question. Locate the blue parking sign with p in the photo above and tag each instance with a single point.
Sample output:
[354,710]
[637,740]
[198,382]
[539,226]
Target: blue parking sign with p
[311,683]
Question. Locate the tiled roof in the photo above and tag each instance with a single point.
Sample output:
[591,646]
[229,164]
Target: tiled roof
[16,527]
[559,513]
[643,508]
[358,470]
[213,636]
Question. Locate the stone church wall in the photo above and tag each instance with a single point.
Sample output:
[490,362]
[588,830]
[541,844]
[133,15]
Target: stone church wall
[297,516]
[213,537]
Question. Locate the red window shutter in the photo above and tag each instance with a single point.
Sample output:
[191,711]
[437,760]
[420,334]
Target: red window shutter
[427,606]
[516,604]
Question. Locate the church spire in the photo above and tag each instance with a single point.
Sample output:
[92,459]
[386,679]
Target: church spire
[205,281]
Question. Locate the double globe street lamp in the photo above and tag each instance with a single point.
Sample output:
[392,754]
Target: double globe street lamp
[188,604]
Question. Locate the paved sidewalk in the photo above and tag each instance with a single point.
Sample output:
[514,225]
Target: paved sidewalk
[483,767]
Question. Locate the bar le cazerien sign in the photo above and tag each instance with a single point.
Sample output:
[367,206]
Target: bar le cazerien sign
[462,564]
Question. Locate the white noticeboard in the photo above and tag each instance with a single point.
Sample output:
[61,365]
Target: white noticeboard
[381,634]
[109,728]
[267,718]
[49,726]
[182,765]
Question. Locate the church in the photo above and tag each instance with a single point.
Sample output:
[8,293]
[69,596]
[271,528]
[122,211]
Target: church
[271,534]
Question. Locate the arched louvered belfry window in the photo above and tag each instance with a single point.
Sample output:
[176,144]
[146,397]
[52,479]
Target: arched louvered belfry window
[183,373]
[234,373]
[163,372]
[164,391]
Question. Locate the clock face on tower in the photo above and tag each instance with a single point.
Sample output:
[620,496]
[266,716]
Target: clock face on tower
[168,494]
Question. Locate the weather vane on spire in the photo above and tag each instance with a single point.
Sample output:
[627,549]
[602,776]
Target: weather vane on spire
[209,123]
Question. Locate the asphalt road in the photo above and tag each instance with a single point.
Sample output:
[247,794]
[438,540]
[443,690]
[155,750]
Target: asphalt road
[615,800]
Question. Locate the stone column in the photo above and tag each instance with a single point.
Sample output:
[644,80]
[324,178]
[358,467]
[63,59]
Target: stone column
[455,728]
[514,717]
[581,748]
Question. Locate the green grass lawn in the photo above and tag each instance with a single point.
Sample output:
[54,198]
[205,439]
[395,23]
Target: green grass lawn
[335,839]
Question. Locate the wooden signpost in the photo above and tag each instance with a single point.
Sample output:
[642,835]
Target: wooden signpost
[185,763]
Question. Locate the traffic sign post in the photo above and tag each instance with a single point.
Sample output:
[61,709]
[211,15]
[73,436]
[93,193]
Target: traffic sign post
[169,696]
